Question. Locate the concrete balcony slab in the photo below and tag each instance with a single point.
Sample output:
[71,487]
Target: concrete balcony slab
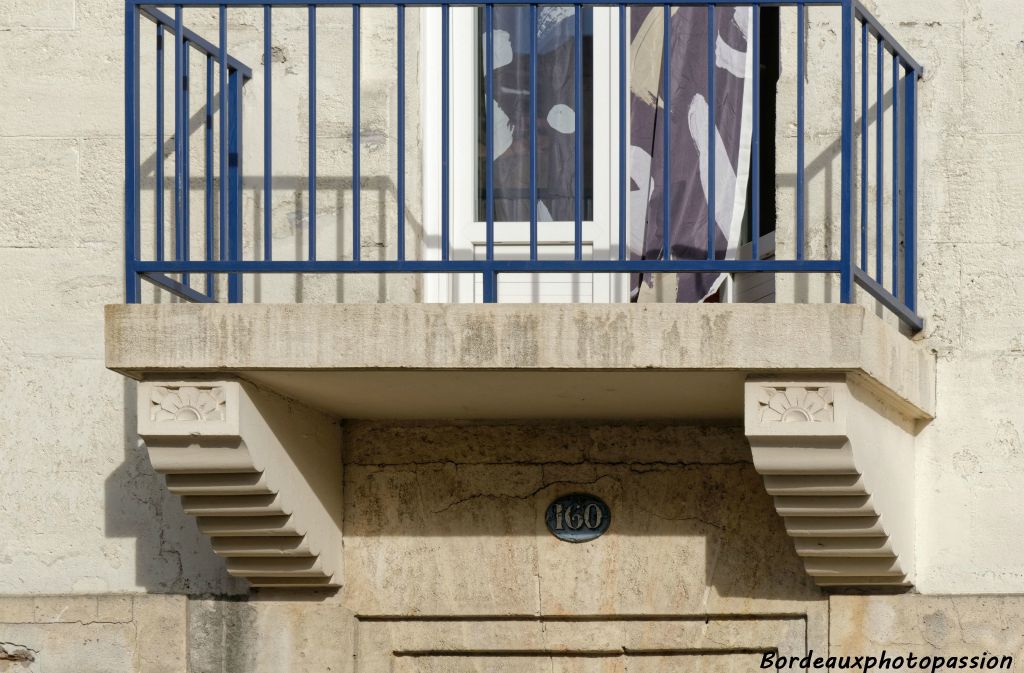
[426,361]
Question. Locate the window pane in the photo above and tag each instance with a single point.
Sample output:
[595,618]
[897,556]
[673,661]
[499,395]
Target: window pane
[556,170]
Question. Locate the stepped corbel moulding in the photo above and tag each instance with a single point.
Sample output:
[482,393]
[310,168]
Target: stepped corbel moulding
[839,462]
[262,474]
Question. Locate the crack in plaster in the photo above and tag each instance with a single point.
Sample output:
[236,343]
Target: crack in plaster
[526,496]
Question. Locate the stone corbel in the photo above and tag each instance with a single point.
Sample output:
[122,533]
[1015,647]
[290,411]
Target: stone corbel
[262,475]
[839,462]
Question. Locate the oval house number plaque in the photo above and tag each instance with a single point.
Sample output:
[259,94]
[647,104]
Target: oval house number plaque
[578,517]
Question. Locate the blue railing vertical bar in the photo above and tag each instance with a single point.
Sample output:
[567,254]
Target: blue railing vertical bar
[186,169]
[578,131]
[357,173]
[445,132]
[268,135]
[623,135]
[224,174]
[910,194]
[132,195]
[400,113]
[179,136]
[159,192]
[712,131]
[755,172]
[490,286]
[489,131]
[311,220]
[879,161]
[864,147]
[666,132]
[235,182]
[534,21]
[222,90]
[208,172]
[801,139]
[846,271]
[896,176]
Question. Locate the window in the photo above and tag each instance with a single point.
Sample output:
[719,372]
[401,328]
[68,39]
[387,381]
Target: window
[556,117]
[556,126]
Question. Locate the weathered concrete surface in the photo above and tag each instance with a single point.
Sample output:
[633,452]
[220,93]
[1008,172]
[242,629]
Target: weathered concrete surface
[447,551]
[971,192]
[589,646]
[173,634]
[315,633]
[270,634]
[947,626]
[100,634]
[448,519]
[752,339]
[82,510]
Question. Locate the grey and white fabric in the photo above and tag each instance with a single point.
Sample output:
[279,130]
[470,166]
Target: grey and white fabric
[556,116]
[688,130]
[688,127]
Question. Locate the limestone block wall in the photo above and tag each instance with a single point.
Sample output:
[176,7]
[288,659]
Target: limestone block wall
[971,458]
[172,634]
[971,188]
[929,626]
[448,519]
[447,552]
[314,633]
[85,510]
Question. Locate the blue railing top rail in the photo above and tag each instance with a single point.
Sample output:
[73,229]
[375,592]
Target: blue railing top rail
[892,45]
[225,231]
[193,38]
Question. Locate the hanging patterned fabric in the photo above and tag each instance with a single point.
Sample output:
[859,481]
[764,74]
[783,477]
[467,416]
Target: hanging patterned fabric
[688,128]
[688,93]
[556,116]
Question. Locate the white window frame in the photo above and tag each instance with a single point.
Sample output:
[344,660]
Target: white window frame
[600,234]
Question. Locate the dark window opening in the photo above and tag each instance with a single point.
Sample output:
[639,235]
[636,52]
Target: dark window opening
[771,70]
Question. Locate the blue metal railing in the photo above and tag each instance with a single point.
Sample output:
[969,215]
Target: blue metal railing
[223,233]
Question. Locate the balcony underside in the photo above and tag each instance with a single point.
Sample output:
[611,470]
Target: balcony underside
[831,399]
[427,361]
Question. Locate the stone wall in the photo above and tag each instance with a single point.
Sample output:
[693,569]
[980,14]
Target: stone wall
[971,131]
[314,633]
[89,514]
[449,520]
[446,551]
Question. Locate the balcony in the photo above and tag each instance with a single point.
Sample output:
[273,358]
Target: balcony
[430,157]
[217,204]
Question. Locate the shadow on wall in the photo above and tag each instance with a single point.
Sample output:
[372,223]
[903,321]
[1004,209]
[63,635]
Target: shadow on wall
[291,219]
[171,555]
[823,205]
